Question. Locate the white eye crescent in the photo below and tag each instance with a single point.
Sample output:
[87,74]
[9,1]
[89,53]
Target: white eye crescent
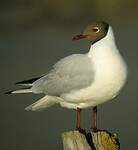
[95,29]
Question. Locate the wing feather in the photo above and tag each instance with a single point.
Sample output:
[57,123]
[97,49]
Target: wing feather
[70,73]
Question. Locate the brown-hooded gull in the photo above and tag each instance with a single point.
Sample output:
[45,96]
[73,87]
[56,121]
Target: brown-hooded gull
[85,80]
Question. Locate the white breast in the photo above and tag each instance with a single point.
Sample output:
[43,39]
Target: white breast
[110,76]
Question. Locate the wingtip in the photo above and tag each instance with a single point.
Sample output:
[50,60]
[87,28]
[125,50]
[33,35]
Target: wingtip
[9,92]
[30,81]
[20,82]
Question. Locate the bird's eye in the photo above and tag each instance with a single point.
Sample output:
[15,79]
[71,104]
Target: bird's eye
[95,29]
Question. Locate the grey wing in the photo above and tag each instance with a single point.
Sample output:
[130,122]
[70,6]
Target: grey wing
[70,73]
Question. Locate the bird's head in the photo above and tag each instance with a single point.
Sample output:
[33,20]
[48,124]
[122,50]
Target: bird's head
[94,32]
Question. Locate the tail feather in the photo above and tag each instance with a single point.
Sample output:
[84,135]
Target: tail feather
[19,91]
[25,84]
[41,104]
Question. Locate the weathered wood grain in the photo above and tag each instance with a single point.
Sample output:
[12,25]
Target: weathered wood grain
[100,140]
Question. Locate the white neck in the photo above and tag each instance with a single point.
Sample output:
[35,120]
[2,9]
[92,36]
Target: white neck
[104,45]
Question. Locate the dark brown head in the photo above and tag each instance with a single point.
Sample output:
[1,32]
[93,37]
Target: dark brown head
[94,32]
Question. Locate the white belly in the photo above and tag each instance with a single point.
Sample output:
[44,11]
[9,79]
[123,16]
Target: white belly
[110,76]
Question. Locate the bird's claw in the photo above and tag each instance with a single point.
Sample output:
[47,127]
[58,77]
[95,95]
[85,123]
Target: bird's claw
[81,130]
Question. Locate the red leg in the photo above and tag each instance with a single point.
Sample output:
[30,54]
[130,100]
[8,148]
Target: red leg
[78,119]
[94,115]
[78,110]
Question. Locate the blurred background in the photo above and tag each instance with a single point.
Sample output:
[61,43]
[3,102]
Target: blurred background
[36,34]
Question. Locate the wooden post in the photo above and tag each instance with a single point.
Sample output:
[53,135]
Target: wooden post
[100,140]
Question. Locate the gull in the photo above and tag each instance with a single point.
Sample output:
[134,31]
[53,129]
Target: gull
[81,81]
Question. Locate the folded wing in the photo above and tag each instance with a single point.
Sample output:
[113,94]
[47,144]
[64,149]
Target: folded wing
[70,73]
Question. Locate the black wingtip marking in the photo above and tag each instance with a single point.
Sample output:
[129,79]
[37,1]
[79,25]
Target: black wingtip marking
[28,81]
[9,92]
